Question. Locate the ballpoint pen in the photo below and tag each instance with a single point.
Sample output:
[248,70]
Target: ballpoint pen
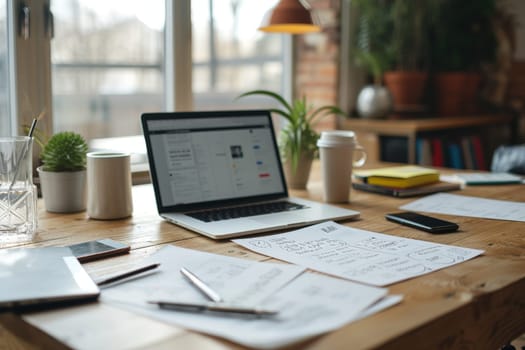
[214,307]
[201,286]
[129,273]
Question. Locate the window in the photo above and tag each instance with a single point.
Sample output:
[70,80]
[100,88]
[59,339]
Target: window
[107,65]
[229,55]
[108,60]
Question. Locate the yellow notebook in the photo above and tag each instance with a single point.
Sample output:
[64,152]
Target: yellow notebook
[399,176]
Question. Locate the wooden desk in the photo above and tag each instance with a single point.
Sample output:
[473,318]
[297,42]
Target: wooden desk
[479,304]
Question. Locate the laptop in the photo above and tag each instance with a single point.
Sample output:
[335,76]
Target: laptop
[42,277]
[219,173]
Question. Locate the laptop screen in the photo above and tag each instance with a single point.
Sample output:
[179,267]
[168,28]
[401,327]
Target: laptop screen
[212,157]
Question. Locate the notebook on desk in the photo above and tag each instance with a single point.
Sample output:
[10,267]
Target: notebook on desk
[219,173]
[35,277]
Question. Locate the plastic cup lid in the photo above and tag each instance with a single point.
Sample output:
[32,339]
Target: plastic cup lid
[336,138]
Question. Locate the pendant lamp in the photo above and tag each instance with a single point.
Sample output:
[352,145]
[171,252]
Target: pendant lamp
[289,16]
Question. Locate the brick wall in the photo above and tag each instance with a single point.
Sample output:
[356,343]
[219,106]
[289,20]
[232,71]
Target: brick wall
[317,60]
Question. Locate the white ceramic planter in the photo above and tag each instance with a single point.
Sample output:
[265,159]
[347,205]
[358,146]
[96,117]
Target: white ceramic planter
[63,192]
[374,101]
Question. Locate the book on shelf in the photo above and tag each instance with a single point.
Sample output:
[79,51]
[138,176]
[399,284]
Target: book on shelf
[424,152]
[438,159]
[461,153]
[455,156]
[468,155]
[478,153]
[399,176]
[440,186]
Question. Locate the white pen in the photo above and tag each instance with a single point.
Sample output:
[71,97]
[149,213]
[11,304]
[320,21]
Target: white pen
[200,285]
[216,306]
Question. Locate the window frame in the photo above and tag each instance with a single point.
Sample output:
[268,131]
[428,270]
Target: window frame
[29,67]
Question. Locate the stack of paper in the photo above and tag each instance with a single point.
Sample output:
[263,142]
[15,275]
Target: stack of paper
[309,304]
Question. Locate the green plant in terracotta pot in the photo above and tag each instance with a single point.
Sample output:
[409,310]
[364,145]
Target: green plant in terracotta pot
[63,173]
[407,76]
[392,42]
[464,40]
[298,137]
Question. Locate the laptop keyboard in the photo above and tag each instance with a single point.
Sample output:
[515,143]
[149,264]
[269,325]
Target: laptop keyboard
[243,211]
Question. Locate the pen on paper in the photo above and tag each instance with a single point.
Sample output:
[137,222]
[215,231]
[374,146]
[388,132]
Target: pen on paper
[215,307]
[126,274]
[200,285]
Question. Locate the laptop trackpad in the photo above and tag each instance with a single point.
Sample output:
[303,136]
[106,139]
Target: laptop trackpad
[275,219]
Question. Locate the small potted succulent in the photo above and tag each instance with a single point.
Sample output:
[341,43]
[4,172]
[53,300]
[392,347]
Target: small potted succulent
[63,173]
[297,138]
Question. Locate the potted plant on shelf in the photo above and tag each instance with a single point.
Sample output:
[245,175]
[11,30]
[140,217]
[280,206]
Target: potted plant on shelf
[63,173]
[374,100]
[407,76]
[297,138]
[392,43]
[464,41]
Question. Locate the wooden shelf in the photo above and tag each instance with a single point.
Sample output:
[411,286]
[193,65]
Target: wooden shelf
[370,130]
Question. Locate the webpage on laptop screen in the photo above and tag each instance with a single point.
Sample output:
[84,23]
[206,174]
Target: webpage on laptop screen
[215,160]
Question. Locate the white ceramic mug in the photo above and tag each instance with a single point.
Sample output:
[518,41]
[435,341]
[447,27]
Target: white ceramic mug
[109,185]
[338,150]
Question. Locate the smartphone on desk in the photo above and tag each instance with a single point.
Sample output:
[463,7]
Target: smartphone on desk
[423,222]
[98,249]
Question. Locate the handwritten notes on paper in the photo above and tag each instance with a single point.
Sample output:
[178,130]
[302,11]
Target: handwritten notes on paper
[309,304]
[358,255]
[454,204]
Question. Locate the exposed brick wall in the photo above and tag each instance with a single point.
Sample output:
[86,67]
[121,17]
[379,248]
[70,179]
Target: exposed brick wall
[317,60]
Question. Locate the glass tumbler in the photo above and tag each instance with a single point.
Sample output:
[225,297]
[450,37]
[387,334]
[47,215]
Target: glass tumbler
[18,194]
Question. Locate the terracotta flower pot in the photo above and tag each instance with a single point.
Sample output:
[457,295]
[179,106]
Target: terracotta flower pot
[456,93]
[407,87]
[298,179]
[470,93]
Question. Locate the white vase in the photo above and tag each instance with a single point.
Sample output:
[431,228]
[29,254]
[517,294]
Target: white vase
[63,192]
[374,101]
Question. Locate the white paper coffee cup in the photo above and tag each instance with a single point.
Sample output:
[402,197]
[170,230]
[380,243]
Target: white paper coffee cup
[337,151]
[109,185]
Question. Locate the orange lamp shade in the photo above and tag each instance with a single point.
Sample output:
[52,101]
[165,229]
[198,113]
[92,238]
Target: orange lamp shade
[289,16]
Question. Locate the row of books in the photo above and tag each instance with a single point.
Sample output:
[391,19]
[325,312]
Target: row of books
[460,153]
[401,181]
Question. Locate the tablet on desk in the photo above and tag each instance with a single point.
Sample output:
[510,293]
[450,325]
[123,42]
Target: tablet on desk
[35,277]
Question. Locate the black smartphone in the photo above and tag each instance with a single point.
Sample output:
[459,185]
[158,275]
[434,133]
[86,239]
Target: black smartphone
[423,222]
[98,249]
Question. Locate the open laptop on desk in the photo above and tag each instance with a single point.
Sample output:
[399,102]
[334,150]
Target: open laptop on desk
[219,174]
